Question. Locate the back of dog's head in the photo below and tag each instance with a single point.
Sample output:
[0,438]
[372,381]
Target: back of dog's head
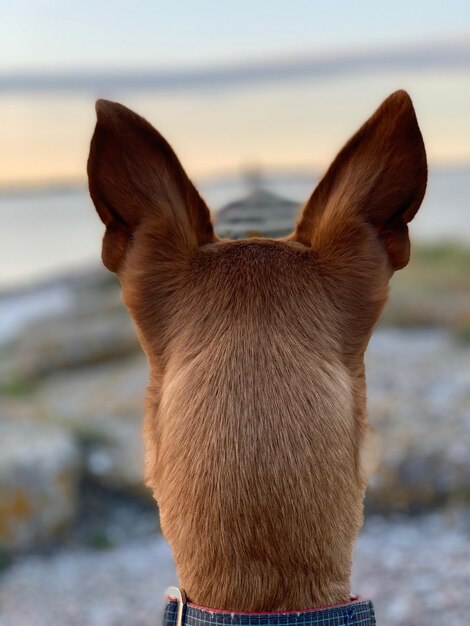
[255,427]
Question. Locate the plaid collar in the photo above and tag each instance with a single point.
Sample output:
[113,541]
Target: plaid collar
[355,613]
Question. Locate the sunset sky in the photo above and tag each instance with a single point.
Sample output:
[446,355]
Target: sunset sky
[57,57]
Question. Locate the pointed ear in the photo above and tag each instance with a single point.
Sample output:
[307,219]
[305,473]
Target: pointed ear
[136,179]
[376,182]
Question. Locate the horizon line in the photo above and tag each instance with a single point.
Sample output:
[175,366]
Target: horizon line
[56,185]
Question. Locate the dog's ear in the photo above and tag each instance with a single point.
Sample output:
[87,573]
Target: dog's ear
[376,182]
[136,179]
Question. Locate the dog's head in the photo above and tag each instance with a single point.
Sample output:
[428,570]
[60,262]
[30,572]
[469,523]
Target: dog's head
[256,346]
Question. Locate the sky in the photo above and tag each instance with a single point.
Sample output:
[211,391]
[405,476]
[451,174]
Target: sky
[89,33]
[285,119]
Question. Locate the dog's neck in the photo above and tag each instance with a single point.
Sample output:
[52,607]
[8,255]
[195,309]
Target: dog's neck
[297,560]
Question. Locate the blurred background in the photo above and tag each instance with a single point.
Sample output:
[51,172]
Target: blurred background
[256,98]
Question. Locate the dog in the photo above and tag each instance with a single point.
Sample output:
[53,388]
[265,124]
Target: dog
[257,444]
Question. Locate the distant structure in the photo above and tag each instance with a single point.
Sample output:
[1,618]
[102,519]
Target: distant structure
[260,213]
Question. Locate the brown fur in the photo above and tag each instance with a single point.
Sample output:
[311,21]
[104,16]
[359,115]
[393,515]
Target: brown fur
[255,427]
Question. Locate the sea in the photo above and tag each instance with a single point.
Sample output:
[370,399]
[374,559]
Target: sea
[51,232]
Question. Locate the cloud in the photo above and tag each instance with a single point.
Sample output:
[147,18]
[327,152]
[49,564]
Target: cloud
[427,56]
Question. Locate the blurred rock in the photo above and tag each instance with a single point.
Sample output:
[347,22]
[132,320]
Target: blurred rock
[73,339]
[419,405]
[116,456]
[82,399]
[103,406]
[38,480]
[97,328]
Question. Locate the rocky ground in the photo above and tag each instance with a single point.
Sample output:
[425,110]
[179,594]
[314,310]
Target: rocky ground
[415,570]
[79,537]
[419,406]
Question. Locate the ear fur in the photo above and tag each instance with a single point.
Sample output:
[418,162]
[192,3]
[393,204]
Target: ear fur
[135,178]
[379,178]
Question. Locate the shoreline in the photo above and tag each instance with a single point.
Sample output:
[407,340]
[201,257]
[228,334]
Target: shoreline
[433,291]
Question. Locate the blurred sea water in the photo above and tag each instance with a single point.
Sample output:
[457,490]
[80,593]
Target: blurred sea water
[55,232]
[52,231]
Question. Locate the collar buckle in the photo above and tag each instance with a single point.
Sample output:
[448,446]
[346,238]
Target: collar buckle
[180,597]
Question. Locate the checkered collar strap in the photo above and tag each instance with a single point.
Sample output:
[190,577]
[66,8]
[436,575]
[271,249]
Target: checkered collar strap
[354,613]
